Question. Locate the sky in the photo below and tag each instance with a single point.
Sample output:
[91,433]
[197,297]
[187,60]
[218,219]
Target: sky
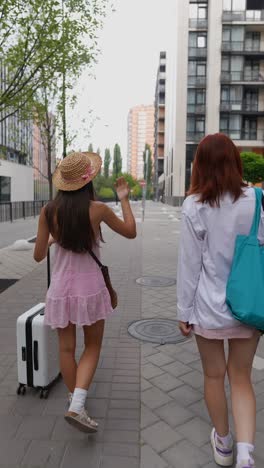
[125,75]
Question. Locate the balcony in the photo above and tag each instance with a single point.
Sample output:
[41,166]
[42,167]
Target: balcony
[201,24]
[197,52]
[249,16]
[243,48]
[245,135]
[241,107]
[248,76]
[195,136]
[196,109]
[197,81]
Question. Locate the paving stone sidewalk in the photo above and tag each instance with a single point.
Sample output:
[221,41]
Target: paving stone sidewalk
[147,398]
[32,431]
[175,427]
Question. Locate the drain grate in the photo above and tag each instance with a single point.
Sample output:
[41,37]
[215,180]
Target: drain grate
[6,283]
[161,331]
[156,281]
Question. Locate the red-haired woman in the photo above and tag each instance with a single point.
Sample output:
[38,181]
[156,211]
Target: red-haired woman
[219,207]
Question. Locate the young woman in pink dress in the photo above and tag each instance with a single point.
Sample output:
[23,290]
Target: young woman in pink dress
[219,207]
[78,295]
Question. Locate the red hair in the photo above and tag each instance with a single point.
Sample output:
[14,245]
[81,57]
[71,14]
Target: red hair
[217,169]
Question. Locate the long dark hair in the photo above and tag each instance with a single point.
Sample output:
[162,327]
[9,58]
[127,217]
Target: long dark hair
[217,169]
[69,220]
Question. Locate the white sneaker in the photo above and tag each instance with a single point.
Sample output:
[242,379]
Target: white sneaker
[81,421]
[224,456]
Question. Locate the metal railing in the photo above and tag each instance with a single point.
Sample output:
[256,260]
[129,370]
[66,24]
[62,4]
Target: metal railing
[197,52]
[241,46]
[243,76]
[196,109]
[195,136]
[249,15]
[196,80]
[196,23]
[244,135]
[227,106]
[10,211]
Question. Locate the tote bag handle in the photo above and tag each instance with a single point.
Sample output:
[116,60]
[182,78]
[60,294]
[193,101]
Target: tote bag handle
[256,219]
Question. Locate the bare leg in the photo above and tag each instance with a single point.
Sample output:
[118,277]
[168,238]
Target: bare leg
[93,337]
[240,361]
[214,365]
[67,345]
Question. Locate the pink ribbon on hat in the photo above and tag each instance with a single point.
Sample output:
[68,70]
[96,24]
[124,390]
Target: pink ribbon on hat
[90,172]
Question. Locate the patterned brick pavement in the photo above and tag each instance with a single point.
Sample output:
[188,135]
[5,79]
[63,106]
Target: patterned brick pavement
[148,398]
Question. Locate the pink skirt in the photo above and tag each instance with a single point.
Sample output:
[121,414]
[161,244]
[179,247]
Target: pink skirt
[241,331]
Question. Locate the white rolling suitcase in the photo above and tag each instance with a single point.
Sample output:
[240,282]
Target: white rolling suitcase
[37,351]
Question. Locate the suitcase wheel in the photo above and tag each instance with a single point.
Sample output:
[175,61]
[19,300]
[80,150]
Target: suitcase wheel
[21,390]
[44,393]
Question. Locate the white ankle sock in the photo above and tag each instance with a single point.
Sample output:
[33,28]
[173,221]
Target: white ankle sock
[227,441]
[78,400]
[244,451]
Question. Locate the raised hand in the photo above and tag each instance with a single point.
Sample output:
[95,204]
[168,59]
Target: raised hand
[122,188]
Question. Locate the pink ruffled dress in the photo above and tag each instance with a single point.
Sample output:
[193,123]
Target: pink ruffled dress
[77,293]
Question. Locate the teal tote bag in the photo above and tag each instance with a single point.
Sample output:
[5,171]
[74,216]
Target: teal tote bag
[245,287]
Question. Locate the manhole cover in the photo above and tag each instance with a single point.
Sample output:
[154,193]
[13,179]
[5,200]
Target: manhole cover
[154,330]
[6,283]
[156,281]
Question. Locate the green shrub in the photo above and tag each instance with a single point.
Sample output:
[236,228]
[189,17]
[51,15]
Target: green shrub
[106,193]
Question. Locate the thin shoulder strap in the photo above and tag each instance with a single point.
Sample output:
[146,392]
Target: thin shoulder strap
[95,258]
[256,219]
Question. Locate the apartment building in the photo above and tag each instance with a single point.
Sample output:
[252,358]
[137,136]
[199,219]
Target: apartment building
[159,123]
[140,131]
[215,82]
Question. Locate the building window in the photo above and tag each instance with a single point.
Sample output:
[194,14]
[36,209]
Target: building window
[231,125]
[197,40]
[198,11]
[252,40]
[195,125]
[5,189]
[234,5]
[255,4]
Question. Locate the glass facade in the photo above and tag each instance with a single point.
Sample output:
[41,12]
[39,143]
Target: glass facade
[5,189]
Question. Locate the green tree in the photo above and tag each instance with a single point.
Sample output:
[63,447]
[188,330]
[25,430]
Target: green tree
[148,164]
[253,167]
[130,179]
[90,148]
[36,35]
[107,161]
[117,161]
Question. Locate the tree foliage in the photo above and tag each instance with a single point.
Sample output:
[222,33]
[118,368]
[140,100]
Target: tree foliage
[253,167]
[117,160]
[37,35]
[90,148]
[107,161]
[148,164]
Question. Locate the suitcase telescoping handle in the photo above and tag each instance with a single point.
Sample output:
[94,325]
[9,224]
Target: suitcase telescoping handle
[35,355]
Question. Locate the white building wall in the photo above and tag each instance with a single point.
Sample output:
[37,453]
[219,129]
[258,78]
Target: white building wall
[22,181]
[176,106]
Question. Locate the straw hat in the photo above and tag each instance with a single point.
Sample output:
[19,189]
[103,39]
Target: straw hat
[76,170]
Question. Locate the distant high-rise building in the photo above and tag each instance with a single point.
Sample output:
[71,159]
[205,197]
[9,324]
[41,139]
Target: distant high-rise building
[159,121]
[215,83]
[140,131]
